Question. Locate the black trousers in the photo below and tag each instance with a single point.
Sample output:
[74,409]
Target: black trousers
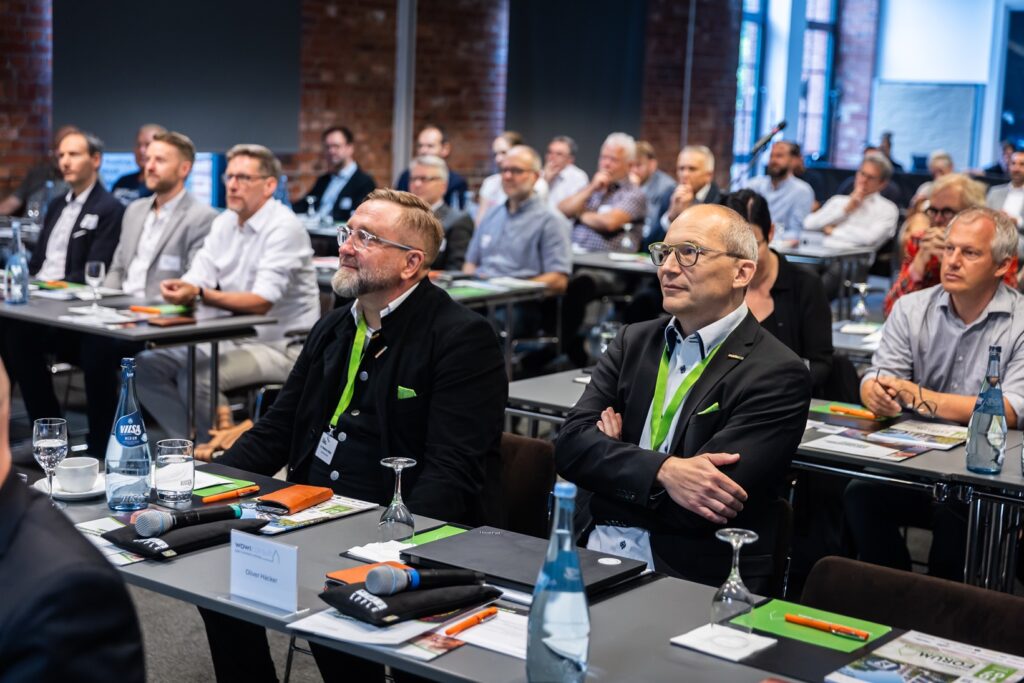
[875,513]
[24,347]
[241,653]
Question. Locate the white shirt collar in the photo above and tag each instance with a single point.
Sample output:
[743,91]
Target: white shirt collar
[80,199]
[436,206]
[259,219]
[709,336]
[387,310]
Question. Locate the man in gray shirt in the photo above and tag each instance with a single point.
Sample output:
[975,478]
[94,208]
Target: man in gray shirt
[931,360]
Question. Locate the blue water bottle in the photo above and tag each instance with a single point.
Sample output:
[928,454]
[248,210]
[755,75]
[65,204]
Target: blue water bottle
[128,463]
[559,625]
[16,270]
[986,432]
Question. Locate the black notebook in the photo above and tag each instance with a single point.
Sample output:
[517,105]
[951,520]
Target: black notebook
[512,560]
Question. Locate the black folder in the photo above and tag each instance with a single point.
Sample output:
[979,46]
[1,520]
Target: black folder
[513,560]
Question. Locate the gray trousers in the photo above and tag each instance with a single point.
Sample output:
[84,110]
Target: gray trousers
[161,379]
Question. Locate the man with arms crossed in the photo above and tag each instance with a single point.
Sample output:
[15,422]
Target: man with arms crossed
[932,359]
[404,371]
[689,421]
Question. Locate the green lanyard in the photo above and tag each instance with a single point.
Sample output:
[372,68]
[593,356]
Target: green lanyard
[355,357]
[661,416]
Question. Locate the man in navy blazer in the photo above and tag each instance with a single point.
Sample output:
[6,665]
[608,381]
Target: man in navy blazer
[690,421]
[337,193]
[83,225]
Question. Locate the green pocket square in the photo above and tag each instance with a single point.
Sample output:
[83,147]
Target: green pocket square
[714,407]
[403,392]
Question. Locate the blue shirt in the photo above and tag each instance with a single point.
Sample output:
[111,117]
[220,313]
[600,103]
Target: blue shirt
[524,244]
[789,203]
[338,182]
[130,187]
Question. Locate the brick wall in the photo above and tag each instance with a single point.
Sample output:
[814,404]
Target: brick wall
[854,72]
[25,87]
[713,79]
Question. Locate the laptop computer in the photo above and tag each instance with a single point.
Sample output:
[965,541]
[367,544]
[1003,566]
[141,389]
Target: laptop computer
[512,560]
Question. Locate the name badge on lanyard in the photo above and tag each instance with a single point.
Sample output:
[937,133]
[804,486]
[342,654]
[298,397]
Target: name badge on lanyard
[325,449]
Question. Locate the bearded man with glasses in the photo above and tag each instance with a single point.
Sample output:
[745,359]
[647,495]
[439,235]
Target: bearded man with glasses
[690,421]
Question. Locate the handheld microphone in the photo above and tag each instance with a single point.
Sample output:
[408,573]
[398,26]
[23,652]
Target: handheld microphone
[767,137]
[388,580]
[155,522]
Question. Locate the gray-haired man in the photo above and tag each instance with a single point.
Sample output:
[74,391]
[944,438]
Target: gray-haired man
[428,180]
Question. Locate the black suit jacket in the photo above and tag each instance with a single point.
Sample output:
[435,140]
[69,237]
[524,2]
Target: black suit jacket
[458,231]
[94,244]
[443,351]
[351,196]
[65,614]
[455,197]
[763,393]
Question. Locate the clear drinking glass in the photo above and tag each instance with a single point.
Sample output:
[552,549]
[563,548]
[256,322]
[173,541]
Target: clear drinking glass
[733,598]
[859,313]
[95,271]
[628,242]
[396,524]
[607,333]
[50,446]
[175,471]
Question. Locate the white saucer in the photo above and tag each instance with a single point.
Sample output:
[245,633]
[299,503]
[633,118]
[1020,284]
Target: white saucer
[98,489]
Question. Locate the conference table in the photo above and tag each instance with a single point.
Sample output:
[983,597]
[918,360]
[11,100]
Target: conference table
[852,261]
[212,326]
[995,503]
[631,624]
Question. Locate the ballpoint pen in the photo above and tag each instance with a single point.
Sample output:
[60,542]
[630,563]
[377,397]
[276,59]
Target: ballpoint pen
[478,618]
[227,495]
[828,627]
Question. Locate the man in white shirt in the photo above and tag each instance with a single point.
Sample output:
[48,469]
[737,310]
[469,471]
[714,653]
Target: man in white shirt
[1009,198]
[864,218]
[257,259]
[563,176]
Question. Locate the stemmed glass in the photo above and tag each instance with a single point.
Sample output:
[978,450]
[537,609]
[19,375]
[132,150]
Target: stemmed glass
[50,446]
[628,243]
[859,313]
[396,524]
[733,598]
[95,271]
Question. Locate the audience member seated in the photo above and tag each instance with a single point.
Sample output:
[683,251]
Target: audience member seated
[600,211]
[132,186]
[786,299]
[864,218]
[885,147]
[429,182]
[890,191]
[522,238]
[789,198]
[655,183]
[33,190]
[81,226]
[337,193]
[256,260]
[1009,198]
[695,171]
[1001,168]
[490,190]
[933,352]
[940,163]
[563,177]
[924,235]
[403,329]
[713,446]
[66,615]
[433,140]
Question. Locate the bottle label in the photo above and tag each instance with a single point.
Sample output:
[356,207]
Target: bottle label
[990,401]
[130,431]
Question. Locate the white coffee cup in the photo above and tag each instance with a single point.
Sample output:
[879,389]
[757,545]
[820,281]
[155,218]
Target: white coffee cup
[77,475]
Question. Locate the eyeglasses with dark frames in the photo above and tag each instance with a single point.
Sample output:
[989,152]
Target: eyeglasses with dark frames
[687,253]
[916,404]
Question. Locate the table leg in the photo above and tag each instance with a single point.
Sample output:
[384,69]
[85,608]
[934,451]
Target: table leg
[508,339]
[993,527]
[214,381]
[191,393]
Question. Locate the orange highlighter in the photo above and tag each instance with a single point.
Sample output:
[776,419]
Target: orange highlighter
[228,495]
[828,627]
[478,618]
[853,412]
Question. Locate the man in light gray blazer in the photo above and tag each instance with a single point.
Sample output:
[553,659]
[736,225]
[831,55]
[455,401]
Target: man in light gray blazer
[160,233]
[1009,198]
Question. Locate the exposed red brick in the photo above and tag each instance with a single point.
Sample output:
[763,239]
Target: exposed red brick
[857,39]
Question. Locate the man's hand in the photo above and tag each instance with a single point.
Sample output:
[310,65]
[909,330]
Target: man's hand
[600,181]
[610,424]
[879,395]
[828,229]
[856,199]
[178,291]
[697,485]
[549,172]
[682,199]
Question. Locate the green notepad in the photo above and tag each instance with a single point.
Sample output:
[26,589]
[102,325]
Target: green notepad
[435,534]
[771,618]
[229,484]
[467,292]
[57,284]
[827,410]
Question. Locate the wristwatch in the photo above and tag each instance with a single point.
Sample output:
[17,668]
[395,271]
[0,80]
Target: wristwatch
[199,295]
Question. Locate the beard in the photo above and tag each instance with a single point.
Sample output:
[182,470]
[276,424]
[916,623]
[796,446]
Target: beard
[350,284]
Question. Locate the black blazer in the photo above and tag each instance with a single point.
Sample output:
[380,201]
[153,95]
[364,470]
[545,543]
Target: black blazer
[94,244]
[455,197]
[447,354]
[763,393]
[355,191]
[458,231]
[802,319]
[714,196]
[65,614]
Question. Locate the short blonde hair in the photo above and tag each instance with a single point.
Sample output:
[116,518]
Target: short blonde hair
[972,192]
[417,218]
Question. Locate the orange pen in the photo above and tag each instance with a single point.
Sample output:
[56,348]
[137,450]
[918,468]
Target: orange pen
[828,627]
[854,412]
[478,618]
[144,309]
[227,495]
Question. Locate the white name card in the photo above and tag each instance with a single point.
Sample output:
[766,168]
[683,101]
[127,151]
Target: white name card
[264,571]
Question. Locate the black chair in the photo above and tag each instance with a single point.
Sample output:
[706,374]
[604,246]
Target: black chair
[977,616]
[518,485]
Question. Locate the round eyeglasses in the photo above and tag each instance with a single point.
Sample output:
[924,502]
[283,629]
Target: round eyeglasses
[361,239]
[686,253]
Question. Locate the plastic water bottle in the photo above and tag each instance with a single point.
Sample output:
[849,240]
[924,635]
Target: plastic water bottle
[129,465]
[16,270]
[559,625]
[986,432]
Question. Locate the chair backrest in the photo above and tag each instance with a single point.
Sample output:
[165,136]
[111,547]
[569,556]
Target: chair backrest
[906,600]
[518,487]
